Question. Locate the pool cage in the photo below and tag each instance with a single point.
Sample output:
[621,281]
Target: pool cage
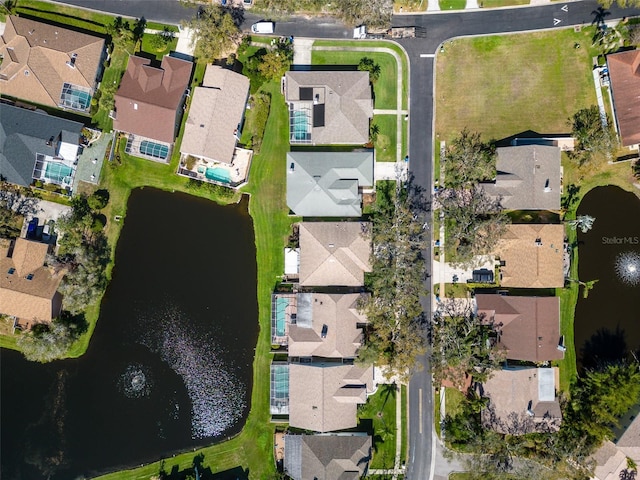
[279,398]
[283,308]
[53,170]
[300,122]
[75,97]
[146,148]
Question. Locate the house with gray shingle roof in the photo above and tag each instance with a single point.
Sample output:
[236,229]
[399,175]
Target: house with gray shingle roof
[49,65]
[328,108]
[328,184]
[37,146]
[527,178]
[327,457]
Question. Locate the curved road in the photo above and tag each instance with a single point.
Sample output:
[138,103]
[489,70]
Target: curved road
[421,51]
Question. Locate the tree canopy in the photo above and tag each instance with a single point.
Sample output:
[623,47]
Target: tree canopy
[468,160]
[369,65]
[216,30]
[593,138]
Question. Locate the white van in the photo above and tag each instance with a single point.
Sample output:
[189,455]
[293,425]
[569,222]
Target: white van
[262,27]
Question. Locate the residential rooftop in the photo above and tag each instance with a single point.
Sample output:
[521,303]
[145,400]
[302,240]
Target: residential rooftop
[624,72]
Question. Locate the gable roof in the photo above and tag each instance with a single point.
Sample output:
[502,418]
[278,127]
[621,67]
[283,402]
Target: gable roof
[328,184]
[624,72]
[338,313]
[37,57]
[324,397]
[216,111]
[147,92]
[528,178]
[344,102]
[629,441]
[522,400]
[25,133]
[334,253]
[30,291]
[529,327]
[326,457]
[528,263]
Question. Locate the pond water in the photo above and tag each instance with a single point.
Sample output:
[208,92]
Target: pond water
[169,367]
[607,323]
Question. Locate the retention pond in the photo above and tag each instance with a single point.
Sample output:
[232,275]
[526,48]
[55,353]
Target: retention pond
[169,367]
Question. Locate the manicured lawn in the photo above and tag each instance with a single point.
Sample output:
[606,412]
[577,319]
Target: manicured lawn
[501,3]
[384,88]
[65,15]
[453,400]
[380,409]
[504,85]
[403,413]
[148,46]
[112,76]
[452,4]
[386,143]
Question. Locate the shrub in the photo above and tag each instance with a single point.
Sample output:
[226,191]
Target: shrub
[98,199]
[99,222]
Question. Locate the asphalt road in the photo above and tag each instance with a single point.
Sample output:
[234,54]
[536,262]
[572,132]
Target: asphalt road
[439,28]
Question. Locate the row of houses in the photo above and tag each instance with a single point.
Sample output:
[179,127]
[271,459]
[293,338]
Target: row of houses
[318,385]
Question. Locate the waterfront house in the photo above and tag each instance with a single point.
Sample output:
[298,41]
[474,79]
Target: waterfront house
[528,327]
[327,457]
[35,146]
[624,72]
[522,400]
[527,178]
[328,184]
[324,396]
[334,253]
[328,108]
[28,287]
[49,65]
[149,105]
[209,149]
[532,256]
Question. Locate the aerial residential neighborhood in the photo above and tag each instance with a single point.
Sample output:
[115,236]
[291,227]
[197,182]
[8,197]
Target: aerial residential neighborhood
[249,239]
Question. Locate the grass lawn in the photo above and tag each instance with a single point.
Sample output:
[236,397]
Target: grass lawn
[453,400]
[452,4]
[112,75]
[148,46]
[65,15]
[506,84]
[403,413]
[502,3]
[380,409]
[384,89]
[386,143]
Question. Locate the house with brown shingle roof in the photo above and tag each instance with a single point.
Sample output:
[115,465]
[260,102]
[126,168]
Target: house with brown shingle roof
[328,108]
[28,288]
[624,72]
[318,324]
[324,397]
[149,104]
[214,126]
[531,256]
[327,457]
[528,327]
[522,400]
[334,253]
[49,65]
[527,178]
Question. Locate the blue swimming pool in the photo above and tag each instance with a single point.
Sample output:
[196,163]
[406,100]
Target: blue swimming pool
[281,305]
[218,174]
[300,126]
[58,172]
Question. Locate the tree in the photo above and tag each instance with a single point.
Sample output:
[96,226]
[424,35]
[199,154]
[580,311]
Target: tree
[594,134]
[583,222]
[275,63]
[368,65]
[474,221]
[468,160]
[463,343]
[98,199]
[215,31]
[373,13]
[394,336]
[374,131]
[47,343]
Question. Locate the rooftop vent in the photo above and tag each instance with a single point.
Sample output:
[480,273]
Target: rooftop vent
[11,271]
[26,73]
[547,188]
[29,276]
[72,61]
[538,242]
[323,333]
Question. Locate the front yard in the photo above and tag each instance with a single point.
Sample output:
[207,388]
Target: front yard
[380,413]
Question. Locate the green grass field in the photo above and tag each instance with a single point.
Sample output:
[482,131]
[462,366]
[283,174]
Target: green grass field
[384,88]
[453,400]
[506,84]
[501,3]
[386,143]
[452,4]
[381,410]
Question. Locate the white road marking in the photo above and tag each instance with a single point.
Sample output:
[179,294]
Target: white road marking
[420,409]
[556,21]
[427,55]
[565,8]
